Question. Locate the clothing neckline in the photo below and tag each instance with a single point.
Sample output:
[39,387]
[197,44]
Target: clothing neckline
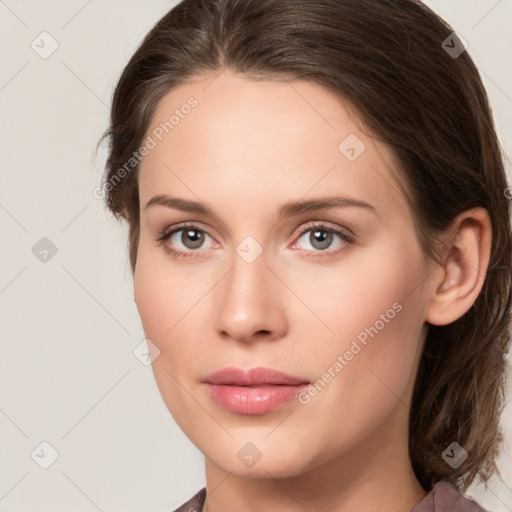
[442,497]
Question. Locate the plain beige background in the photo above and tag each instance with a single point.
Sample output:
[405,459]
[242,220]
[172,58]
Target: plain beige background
[69,377]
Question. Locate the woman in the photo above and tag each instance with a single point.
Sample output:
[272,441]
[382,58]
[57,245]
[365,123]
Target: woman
[321,248]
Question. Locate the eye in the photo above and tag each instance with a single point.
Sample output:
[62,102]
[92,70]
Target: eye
[320,237]
[184,240]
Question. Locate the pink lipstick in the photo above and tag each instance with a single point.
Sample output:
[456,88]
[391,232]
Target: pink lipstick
[255,391]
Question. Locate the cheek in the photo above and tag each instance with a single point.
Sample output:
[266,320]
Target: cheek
[171,300]
[166,306]
[163,292]
[371,309]
[351,295]
[364,374]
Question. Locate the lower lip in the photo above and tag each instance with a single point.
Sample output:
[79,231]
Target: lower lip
[252,400]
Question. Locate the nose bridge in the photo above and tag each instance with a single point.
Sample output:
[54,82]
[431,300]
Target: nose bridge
[250,298]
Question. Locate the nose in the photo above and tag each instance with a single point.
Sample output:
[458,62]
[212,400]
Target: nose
[250,302]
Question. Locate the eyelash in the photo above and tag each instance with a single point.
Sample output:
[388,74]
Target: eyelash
[165,235]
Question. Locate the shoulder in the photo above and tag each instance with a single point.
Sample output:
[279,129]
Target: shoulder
[445,497]
[194,504]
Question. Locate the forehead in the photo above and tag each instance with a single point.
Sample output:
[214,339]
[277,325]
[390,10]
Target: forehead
[225,134]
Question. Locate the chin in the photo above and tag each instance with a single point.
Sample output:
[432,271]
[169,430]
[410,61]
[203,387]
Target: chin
[249,457]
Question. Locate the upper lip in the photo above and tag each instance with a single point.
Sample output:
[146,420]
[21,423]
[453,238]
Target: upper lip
[254,376]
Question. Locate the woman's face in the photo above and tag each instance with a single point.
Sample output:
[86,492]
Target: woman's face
[333,296]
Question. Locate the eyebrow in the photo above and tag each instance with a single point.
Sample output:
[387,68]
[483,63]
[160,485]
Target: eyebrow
[287,209]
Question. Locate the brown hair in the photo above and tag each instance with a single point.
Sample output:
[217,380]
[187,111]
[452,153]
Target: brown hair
[391,59]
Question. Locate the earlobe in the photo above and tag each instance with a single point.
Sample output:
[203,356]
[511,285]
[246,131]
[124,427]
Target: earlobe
[457,284]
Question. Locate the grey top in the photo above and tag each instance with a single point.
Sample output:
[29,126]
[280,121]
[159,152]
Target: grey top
[443,497]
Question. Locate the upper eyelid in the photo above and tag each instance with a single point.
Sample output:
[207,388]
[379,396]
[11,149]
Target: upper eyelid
[322,224]
[185,225]
[306,225]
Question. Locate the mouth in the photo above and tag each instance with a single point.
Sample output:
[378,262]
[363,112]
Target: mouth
[256,391]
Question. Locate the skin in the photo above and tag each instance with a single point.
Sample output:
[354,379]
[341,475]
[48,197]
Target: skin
[247,148]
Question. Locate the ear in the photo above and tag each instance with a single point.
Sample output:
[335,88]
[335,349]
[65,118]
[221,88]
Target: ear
[456,284]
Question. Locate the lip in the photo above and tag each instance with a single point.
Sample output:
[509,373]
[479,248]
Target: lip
[254,376]
[255,391]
